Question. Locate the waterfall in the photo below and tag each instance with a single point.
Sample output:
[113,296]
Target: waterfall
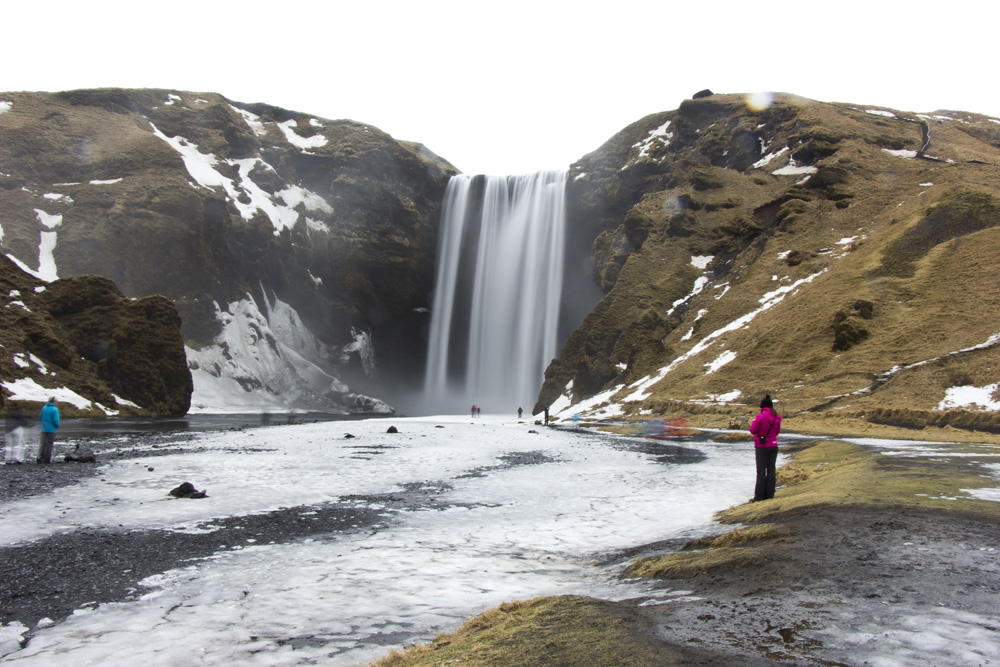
[494,324]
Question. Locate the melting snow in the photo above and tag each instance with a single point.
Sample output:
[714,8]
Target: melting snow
[901,153]
[660,135]
[315,141]
[253,120]
[767,158]
[701,313]
[792,169]
[294,195]
[725,398]
[49,221]
[769,300]
[701,261]
[720,361]
[509,533]
[880,112]
[973,398]
[201,167]
[5,106]
[26,389]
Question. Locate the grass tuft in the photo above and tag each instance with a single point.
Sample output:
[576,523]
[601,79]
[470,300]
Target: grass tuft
[544,632]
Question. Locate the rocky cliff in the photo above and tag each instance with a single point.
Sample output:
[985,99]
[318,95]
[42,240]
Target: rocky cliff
[298,250]
[97,351]
[838,256]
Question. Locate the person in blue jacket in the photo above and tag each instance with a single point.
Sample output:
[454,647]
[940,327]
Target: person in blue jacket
[50,424]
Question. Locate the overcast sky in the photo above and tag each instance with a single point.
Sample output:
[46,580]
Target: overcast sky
[514,86]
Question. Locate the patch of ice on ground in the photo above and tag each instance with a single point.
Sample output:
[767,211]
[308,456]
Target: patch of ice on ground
[513,533]
[912,637]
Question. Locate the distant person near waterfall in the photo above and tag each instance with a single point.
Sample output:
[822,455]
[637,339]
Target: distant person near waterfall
[50,424]
[765,428]
[520,411]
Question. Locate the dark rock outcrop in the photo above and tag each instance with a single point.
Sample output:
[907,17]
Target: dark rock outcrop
[84,335]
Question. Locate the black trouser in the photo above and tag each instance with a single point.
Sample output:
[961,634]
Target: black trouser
[45,448]
[766,459]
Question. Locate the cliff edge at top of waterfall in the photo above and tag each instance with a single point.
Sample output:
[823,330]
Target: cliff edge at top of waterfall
[298,250]
[838,256]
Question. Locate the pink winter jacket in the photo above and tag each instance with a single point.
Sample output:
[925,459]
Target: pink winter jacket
[766,426]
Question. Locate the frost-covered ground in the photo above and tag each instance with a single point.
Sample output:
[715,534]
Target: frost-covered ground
[496,511]
[510,514]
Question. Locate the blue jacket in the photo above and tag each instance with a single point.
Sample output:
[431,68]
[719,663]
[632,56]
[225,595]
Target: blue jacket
[50,418]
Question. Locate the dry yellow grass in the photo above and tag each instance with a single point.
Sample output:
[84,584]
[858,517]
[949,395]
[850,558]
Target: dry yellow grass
[914,238]
[831,473]
[545,632]
[737,547]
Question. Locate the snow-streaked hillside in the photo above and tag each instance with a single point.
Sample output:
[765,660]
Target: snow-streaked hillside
[211,203]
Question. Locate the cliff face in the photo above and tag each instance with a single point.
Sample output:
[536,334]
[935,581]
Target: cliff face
[836,256]
[83,341]
[299,251]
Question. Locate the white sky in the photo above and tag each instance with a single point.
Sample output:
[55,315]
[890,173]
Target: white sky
[514,86]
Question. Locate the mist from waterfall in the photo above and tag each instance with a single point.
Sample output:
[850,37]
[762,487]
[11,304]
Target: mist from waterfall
[494,324]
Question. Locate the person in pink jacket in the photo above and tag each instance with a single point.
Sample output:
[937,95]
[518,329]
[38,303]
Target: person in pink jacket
[765,428]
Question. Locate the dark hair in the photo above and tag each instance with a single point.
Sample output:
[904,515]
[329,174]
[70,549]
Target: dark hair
[766,402]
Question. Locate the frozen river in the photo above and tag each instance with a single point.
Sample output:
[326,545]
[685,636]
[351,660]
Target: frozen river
[467,514]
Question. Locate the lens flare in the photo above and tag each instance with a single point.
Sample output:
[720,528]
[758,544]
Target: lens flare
[88,151]
[759,101]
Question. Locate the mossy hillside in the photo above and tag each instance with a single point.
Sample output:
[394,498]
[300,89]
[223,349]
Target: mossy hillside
[93,340]
[826,241]
[565,631]
[132,212]
[833,473]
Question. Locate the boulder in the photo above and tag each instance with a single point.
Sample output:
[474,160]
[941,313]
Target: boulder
[187,490]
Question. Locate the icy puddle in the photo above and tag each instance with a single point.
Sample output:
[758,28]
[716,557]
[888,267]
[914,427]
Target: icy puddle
[494,513]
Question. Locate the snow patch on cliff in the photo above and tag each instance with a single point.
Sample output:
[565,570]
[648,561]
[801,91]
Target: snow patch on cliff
[265,358]
[247,196]
[305,143]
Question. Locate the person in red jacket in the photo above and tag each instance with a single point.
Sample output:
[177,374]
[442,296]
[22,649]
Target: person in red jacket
[765,428]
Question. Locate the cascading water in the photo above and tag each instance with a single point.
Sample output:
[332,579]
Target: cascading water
[494,325]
